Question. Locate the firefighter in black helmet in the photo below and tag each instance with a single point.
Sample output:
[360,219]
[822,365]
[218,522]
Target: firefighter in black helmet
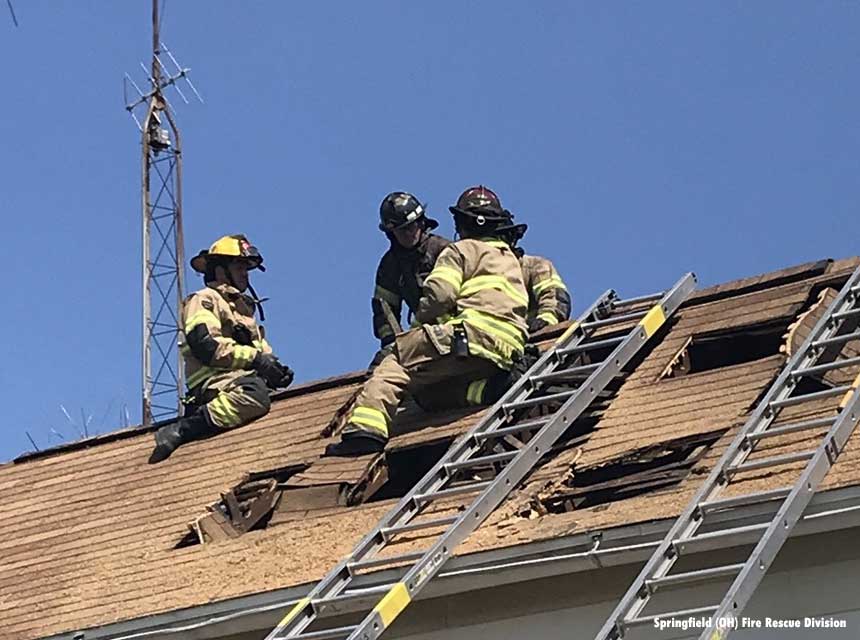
[472,315]
[403,268]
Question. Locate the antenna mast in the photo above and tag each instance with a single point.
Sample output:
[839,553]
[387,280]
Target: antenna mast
[163,252]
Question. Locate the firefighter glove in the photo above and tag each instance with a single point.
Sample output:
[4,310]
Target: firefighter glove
[271,370]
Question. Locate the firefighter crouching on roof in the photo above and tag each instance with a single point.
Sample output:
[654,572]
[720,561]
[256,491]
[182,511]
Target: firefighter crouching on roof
[404,267]
[473,310]
[229,366]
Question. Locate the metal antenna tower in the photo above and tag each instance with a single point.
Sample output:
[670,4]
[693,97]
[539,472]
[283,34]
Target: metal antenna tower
[163,244]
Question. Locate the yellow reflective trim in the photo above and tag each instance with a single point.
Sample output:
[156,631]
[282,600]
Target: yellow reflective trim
[388,296]
[567,332]
[203,316]
[553,282]
[475,391]
[847,397]
[492,356]
[224,409]
[500,283]
[200,375]
[505,331]
[653,320]
[243,355]
[393,603]
[371,418]
[447,274]
[548,316]
[292,613]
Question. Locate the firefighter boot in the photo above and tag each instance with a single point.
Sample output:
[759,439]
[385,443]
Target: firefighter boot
[356,442]
[169,437]
[499,383]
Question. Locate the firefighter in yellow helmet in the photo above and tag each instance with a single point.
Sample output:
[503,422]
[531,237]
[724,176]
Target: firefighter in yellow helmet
[229,366]
[473,314]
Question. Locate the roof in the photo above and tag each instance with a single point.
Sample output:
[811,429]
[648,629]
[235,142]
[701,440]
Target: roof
[90,529]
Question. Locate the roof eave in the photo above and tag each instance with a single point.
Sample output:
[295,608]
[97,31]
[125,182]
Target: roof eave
[831,510]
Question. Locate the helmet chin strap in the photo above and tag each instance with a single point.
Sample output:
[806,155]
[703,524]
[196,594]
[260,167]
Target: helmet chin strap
[257,301]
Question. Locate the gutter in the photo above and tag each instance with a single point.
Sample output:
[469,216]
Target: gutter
[829,511]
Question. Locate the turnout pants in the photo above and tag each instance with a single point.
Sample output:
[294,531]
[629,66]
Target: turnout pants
[422,364]
[233,398]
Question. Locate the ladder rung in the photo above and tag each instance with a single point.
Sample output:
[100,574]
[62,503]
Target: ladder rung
[773,461]
[347,597]
[628,301]
[840,315]
[607,322]
[808,397]
[517,428]
[686,613]
[581,372]
[417,526]
[327,634]
[837,339]
[535,402]
[453,491]
[384,562]
[790,428]
[822,368]
[710,506]
[720,533]
[692,576]
[582,347]
[474,462]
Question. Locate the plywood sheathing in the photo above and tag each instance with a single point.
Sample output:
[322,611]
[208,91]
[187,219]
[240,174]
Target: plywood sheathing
[88,533]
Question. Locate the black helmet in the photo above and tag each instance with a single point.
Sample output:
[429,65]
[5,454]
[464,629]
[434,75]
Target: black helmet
[479,212]
[399,209]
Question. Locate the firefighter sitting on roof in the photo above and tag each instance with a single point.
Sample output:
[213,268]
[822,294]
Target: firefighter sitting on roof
[404,267]
[229,366]
[473,315]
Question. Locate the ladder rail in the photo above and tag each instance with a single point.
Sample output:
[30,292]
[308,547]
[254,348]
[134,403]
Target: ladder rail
[789,513]
[464,446]
[480,509]
[298,617]
[467,448]
[663,558]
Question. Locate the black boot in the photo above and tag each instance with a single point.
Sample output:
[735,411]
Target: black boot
[356,443]
[169,437]
[499,383]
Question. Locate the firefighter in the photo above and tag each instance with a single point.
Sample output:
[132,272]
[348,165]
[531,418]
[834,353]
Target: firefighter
[404,267]
[473,325]
[549,304]
[549,299]
[229,365]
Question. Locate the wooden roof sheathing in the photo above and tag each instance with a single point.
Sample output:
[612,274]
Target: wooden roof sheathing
[89,533]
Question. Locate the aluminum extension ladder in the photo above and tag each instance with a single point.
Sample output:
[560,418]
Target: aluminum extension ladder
[818,355]
[485,445]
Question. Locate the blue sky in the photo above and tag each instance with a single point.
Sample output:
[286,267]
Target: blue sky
[639,140]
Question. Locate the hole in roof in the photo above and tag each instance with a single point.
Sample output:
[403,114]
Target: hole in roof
[711,351]
[247,506]
[648,470]
[407,466]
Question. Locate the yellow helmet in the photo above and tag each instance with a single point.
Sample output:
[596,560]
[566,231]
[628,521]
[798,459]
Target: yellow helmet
[236,246]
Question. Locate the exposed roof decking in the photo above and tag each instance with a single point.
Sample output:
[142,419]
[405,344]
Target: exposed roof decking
[89,533]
